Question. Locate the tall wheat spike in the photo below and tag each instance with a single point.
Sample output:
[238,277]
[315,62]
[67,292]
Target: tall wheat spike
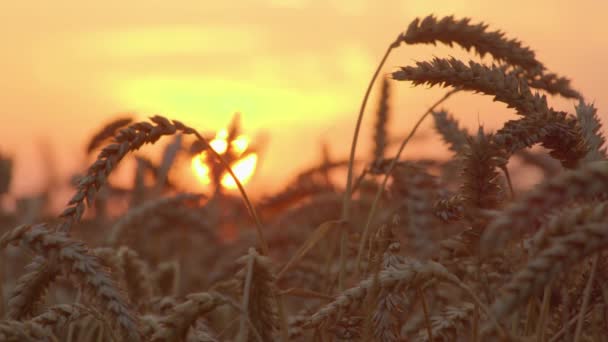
[383,114]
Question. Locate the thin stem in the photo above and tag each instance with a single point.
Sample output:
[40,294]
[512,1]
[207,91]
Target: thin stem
[427,321]
[284,325]
[567,326]
[544,311]
[496,325]
[243,333]
[353,147]
[586,297]
[508,176]
[250,208]
[359,180]
[366,231]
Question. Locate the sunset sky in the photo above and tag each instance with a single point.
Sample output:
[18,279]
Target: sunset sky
[295,69]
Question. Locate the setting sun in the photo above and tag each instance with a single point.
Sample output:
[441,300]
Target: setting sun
[243,167]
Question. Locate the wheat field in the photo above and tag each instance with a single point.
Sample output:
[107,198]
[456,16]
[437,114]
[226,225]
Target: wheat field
[393,250]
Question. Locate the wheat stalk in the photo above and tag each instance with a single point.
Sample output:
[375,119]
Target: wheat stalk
[389,305]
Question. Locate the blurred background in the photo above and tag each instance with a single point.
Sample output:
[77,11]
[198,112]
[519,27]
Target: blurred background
[295,70]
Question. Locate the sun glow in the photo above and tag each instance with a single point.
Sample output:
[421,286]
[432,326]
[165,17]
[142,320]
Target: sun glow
[243,165]
[243,169]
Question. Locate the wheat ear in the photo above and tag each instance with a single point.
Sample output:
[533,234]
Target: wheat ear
[130,139]
[382,119]
[57,317]
[591,130]
[451,31]
[476,77]
[30,289]
[259,290]
[78,261]
[405,276]
[521,59]
[146,209]
[136,277]
[107,132]
[175,325]
[16,331]
[548,263]
[420,189]
[447,323]
[586,182]
[455,136]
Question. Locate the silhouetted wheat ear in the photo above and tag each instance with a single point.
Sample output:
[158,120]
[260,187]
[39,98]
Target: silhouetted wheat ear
[489,80]
[450,31]
[107,132]
[519,60]
[127,140]
[382,118]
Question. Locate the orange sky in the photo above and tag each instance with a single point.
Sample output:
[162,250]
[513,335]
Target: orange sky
[295,69]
